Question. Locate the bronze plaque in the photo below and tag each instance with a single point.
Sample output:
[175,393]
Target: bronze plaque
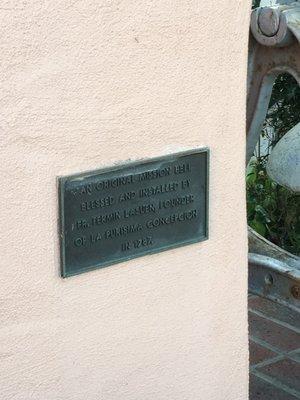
[115,214]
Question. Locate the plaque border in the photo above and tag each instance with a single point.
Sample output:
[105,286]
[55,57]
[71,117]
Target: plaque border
[61,180]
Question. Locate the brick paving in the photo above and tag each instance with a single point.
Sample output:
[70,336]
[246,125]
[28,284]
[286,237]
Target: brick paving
[274,339]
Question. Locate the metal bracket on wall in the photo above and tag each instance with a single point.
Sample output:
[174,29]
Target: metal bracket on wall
[273,272]
[274,48]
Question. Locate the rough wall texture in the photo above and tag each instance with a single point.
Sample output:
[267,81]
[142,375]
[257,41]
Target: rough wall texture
[85,84]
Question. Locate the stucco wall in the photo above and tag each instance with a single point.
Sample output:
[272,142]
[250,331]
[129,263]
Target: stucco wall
[85,84]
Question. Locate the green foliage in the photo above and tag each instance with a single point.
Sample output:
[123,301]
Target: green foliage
[255,3]
[273,211]
[284,107]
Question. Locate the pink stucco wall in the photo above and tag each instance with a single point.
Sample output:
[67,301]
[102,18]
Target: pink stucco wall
[85,84]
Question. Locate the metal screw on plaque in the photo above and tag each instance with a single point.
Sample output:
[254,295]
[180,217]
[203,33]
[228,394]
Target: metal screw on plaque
[268,21]
[295,290]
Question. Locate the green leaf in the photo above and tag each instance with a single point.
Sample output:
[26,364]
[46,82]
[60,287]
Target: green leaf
[258,226]
[251,178]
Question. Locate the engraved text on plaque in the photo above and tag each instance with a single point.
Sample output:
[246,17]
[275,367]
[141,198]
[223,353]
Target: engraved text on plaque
[115,214]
